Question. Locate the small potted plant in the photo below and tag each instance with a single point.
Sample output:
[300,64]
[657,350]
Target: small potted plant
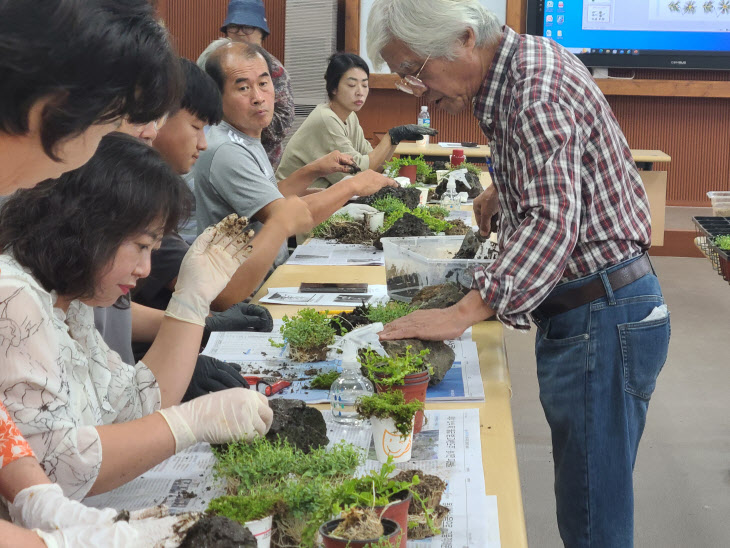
[360,528]
[255,510]
[407,373]
[416,169]
[392,419]
[308,334]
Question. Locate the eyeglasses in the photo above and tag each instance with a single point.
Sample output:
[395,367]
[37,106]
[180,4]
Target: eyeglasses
[412,85]
[241,29]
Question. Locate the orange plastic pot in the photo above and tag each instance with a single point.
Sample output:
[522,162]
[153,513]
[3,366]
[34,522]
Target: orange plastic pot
[398,512]
[392,534]
[414,388]
[408,171]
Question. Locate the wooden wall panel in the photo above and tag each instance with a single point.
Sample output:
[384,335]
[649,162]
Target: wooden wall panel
[195,23]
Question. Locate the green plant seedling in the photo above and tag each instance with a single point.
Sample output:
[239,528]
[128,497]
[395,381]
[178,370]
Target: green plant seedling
[723,242]
[390,405]
[389,371]
[308,334]
[324,381]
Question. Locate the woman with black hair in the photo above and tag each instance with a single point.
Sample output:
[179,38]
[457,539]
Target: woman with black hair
[85,240]
[335,126]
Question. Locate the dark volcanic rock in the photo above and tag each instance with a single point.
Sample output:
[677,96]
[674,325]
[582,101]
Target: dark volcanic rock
[350,320]
[218,532]
[300,425]
[473,180]
[409,196]
[441,357]
[438,296]
[408,225]
[469,247]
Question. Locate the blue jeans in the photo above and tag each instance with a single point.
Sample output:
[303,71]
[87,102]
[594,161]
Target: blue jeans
[597,366]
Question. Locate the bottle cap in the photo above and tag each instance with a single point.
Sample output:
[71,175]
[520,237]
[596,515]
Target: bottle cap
[424,108]
[458,152]
[451,185]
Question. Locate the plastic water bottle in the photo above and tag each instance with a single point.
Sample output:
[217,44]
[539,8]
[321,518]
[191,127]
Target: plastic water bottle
[351,385]
[450,199]
[424,119]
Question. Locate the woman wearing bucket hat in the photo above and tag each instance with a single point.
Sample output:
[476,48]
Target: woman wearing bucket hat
[246,22]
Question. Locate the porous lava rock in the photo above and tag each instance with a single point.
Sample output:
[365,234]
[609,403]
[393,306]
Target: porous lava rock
[302,426]
[218,532]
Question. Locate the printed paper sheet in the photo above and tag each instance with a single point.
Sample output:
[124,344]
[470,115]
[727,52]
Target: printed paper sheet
[328,252]
[291,296]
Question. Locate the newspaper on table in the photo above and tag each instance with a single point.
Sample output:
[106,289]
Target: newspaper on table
[329,252]
[257,356]
[448,446]
[290,295]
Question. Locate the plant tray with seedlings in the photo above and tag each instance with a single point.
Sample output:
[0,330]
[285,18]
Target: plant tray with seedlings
[707,232]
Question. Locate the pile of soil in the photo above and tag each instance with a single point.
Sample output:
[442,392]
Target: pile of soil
[349,232]
[409,196]
[408,225]
[471,178]
[235,226]
[300,425]
[430,490]
[438,296]
[440,358]
[458,228]
[218,532]
[350,320]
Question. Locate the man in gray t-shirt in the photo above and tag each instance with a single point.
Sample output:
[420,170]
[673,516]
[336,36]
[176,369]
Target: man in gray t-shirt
[234,174]
[234,157]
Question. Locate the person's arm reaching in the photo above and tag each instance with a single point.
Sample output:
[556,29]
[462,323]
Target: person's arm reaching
[298,182]
[282,218]
[146,322]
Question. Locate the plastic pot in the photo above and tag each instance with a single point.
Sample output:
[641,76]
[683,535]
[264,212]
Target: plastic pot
[398,512]
[392,534]
[408,171]
[414,388]
[389,442]
[261,529]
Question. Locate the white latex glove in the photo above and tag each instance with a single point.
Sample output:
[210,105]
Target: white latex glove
[356,211]
[207,268]
[220,417]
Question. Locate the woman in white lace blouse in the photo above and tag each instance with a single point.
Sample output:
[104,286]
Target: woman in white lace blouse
[85,240]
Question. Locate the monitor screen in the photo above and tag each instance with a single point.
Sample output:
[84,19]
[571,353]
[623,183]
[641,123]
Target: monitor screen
[637,33]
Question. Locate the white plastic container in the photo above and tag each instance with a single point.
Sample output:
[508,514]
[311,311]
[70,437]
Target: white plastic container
[416,262]
[720,202]
[389,442]
[262,529]
[375,220]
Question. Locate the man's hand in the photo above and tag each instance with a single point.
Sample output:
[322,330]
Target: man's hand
[409,132]
[486,207]
[334,162]
[368,182]
[439,324]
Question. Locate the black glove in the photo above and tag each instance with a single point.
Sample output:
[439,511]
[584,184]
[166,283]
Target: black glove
[212,375]
[409,132]
[241,317]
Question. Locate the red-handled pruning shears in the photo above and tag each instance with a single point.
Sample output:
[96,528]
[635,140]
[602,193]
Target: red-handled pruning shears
[266,385]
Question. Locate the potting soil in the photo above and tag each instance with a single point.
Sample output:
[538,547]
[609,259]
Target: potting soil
[408,225]
[301,425]
[430,489]
[438,296]
[408,195]
[218,532]
[350,320]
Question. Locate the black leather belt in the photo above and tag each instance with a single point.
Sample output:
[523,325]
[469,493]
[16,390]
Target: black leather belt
[584,294]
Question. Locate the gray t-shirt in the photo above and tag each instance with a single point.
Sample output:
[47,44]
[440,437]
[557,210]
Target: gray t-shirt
[234,175]
[115,326]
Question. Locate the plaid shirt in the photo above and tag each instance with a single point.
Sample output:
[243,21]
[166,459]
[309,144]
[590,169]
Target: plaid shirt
[570,196]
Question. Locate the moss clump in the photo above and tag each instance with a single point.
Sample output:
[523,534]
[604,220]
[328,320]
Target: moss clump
[389,371]
[423,170]
[324,381]
[386,313]
[308,334]
[723,242]
[390,405]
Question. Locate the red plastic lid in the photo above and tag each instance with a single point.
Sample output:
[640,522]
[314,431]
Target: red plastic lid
[458,152]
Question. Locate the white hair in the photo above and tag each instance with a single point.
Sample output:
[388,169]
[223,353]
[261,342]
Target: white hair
[214,45]
[428,27]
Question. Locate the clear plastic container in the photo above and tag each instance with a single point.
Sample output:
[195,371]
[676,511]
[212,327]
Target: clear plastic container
[720,202]
[416,262]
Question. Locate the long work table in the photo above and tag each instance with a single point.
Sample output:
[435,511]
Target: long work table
[495,415]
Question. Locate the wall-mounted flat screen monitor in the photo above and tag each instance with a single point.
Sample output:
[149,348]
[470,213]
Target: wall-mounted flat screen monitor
[637,33]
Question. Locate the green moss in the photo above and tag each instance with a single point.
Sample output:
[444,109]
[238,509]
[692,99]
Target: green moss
[322,229]
[386,313]
[307,330]
[423,170]
[324,381]
[723,242]
[390,405]
[392,370]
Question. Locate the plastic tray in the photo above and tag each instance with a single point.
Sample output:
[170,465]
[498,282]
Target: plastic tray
[416,262]
[706,229]
[720,202]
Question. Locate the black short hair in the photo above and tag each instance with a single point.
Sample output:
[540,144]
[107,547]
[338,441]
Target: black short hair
[202,97]
[338,65]
[96,60]
[245,50]
[66,230]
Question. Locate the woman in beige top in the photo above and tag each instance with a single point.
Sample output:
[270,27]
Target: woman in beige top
[334,125]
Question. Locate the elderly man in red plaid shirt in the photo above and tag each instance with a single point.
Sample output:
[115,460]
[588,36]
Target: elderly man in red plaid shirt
[574,230]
